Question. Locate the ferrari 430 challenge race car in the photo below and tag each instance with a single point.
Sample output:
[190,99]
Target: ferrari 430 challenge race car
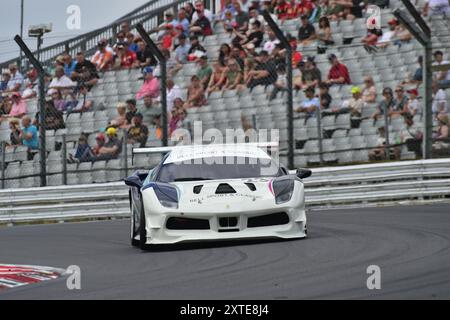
[215,192]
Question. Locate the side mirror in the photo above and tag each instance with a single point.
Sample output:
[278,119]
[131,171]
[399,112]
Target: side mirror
[304,173]
[133,181]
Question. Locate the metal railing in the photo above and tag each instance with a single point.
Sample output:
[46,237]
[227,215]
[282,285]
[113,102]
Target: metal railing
[400,182]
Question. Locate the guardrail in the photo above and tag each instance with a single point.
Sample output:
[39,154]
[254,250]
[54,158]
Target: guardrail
[423,180]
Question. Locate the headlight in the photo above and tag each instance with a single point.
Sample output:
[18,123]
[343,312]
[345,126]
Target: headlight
[283,188]
[167,195]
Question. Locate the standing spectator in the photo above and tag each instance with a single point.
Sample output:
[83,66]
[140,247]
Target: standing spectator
[265,72]
[205,71]
[307,32]
[132,110]
[112,148]
[439,104]
[16,81]
[201,20]
[14,136]
[201,11]
[338,73]
[60,82]
[151,85]
[369,93]
[310,104]
[138,133]
[29,136]
[182,50]
[385,105]
[103,58]
[413,106]
[196,94]
[443,77]
[85,72]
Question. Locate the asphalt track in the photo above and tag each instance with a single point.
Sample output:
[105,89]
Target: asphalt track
[409,244]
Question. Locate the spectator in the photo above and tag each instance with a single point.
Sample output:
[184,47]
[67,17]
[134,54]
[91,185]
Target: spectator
[132,110]
[229,21]
[103,58]
[282,10]
[324,97]
[355,104]
[16,80]
[173,92]
[255,35]
[18,107]
[85,72]
[112,148]
[14,136]
[413,106]
[254,16]
[385,105]
[379,152]
[6,76]
[69,65]
[402,35]
[31,85]
[150,111]
[29,136]
[241,17]
[182,21]
[310,105]
[120,39]
[400,102]
[83,153]
[79,102]
[369,92]
[232,77]
[244,4]
[58,101]
[200,10]
[249,66]
[442,132]
[167,26]
[121,119]
[388,36]
[236,54]
[182,50]
[443,77]
[303,7]
[298,79]
[100,139]
[265,72]
[144,56]
[436,7]
[324,34]
[338,73]
[61,82]
[177,119]
[307,32]
[271,42]
[215,83]
[311,75]
[125,27]
[196,94]
[281,83]
[439,104]
[138,133]
[418,75]
[224,53]
[201,20]
[196,50]
[189,8]
[205,71]
[151,85]
[125,59]
[371,39]
[132,45]
[53,117]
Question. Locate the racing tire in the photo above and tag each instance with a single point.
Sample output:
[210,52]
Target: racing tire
[142,230]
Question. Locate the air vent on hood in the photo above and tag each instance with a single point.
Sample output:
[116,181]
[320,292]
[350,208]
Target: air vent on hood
[251,186]
[198,189]
[225,188]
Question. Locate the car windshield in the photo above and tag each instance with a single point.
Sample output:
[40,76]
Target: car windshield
[218,168]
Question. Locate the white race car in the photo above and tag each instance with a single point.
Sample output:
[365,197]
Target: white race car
[215,192]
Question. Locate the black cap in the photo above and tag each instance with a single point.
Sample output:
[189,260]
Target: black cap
[331,56]
[438,52]
[131,101]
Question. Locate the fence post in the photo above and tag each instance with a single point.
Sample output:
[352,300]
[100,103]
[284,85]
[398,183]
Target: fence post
[64,159]
[387,149]
[125,151]
[319,134]
[3,163]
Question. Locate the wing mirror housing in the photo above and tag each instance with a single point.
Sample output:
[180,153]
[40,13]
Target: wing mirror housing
[133,181]
[303,173]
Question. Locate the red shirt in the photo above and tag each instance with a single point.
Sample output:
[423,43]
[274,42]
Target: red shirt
[128,59]
[338,71]
[282,10]
[296,10]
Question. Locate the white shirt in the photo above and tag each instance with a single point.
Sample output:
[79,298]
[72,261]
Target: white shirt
[63,82]
[414,107]
[441,72]
[269,45]
[172,94]
[208,14]
[386,37]
[438,99]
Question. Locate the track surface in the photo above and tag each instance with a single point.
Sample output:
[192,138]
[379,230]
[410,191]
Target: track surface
[410,244]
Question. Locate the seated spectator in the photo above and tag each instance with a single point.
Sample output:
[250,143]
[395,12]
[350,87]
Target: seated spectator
[58,101]
[399,103]
[310,105]
[31,85]
[346,13]
[224,53]
[85,72]
[196,50]
[14,136]
[311,75]
[196,94]
[265,72]
[80,103]
[281,84]
[201,21]
[334,10]
[83,153]
[53,117]
[177,119]
[439,104]
[104,57]
[255,35]
[385,105]
[369,92]
[232,77]
[100,139]
[189,8]
[18,108]
[436,7]
[325,97]
[241,16]
[121,119]
[151,85]
[132,111]
[282,10]
[125,59]
[228,20]
[69,65]
[324,34]
[149,111]
[130,40]
[298,79]
[249,66]
[182,50]
[388,36]
[29,136]
[237,55]
[16,81]
[166,26]
[417,78]
[215,81]
[402,35]
[355,104]
[6,76]
[61,82]
[138,132]
[442,132]
[303,7]
[338,73]
[120,39]
[112,148]
[442,77]
[413,106]
[271,42]
[371,39]
[379,152]
[144,56]
[201,11]
[307,32]
[5,107]
[205,71]
[182,21]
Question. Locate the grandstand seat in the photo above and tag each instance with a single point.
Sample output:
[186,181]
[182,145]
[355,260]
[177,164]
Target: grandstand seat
[98,172]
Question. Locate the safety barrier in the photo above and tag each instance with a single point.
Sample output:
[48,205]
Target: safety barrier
[362,185]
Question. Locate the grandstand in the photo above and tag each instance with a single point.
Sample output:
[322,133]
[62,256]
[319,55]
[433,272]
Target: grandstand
[346,138]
